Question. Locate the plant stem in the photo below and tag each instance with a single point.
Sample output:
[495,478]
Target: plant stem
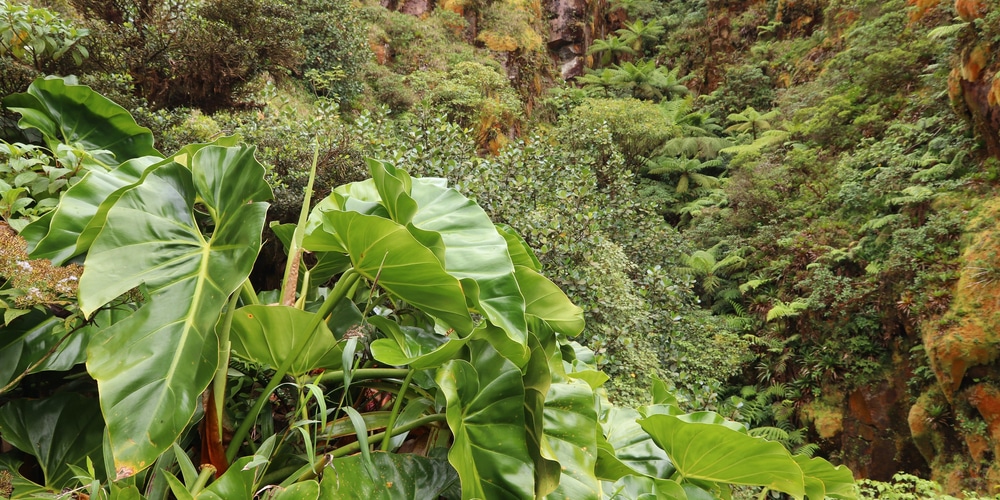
[336,377]
[207,471]
[288,285]
[395,409]
[344,284]
[219,383]
[248,294]
[354,447]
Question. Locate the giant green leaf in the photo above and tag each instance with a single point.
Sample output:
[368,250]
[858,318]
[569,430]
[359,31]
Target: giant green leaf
[545,301]
[713,452]
[57,236]
[385,251]
[60,430]
[71,228]
[537,380]
[419,348]
[24,341]
[152,367]
[327,264]
[627,447]
[485,411]
[823,480]
[267,334]
[394,476]
[76,115]
[644,488]
[42,346]
[571,431]
[475,251]
[520,253]
[394,187]
[237,482]
[306,490]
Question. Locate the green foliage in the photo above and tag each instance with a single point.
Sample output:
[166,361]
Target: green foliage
[30,181]
[906,487]
[336,43]
[475,96]
[407,44]
[201,55]
[39,37]
[481,338]
[636,128]
[744,86]
[641,34]
[643,79]
[610,48]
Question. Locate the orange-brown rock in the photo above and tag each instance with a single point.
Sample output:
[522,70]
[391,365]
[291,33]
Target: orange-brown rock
[986,399]
[876,436]
[970,10]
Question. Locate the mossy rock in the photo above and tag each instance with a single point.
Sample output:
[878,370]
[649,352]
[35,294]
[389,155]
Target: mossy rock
[970,336]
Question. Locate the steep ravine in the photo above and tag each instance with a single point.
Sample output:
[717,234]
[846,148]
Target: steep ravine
[952,430]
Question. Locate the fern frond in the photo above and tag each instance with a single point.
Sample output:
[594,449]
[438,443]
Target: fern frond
[769,433]
[807,449]
[879,223]
[796,436]
[946,31]
[753,285]
[777,390]
[787,309]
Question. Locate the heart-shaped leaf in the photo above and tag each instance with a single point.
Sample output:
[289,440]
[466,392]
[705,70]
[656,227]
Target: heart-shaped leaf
[60,430]
[485,411]
[823,480]
[571,431]
[383,251]
[417,347]
[546,302]
[152,366]
[56,237]
[716,453]
[396,476]
[76,115]
[627,447]
[644,488]
[255,338]
[475,251]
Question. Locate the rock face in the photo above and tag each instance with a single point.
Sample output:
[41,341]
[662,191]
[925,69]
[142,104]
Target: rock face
[964,353]
[974,85]
[569,31]
[568,35]
[412,7]
[875,441]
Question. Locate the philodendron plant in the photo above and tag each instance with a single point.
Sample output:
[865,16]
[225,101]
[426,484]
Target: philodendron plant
[415,350]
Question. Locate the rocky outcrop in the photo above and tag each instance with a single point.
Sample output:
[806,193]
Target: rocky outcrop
[568,35]
[974,84]
[412,7]
[963,347]
[875,441]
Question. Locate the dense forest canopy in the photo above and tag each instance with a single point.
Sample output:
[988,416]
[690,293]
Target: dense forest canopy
[499,248]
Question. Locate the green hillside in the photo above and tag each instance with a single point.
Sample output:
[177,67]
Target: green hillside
[775,218]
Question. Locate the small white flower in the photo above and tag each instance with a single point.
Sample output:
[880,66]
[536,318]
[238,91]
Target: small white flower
[24,265]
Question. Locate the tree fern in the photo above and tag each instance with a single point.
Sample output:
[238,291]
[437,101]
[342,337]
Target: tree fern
[787,309]
[880,222]
[913,195]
